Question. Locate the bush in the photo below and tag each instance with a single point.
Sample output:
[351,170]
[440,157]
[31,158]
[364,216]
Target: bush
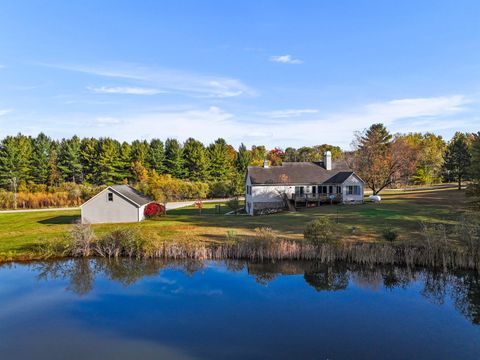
[121,242]
[264,238]
[390,234]
[153,210]
[81,237]
[233,204]
[220,189]
[319,231]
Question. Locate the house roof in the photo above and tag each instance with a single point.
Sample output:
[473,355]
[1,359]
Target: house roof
[300,173]
[131,194]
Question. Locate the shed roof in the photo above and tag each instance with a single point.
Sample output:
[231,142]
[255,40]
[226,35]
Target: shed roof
[131,194]
[300,173]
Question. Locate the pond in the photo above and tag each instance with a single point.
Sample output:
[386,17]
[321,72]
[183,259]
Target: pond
[127,309]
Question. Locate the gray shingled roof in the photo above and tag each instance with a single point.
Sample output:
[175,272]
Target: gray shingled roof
[300,173]
[131,194]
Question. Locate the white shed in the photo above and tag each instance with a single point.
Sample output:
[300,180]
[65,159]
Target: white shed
[115,204]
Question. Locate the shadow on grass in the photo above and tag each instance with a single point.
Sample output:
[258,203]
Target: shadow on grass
[58,220]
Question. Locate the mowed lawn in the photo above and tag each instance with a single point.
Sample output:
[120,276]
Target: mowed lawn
[22,233]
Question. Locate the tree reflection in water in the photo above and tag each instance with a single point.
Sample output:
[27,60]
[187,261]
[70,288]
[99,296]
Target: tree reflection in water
[462,287]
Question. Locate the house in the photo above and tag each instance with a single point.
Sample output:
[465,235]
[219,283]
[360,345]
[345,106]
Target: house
[297,184]
[115,204]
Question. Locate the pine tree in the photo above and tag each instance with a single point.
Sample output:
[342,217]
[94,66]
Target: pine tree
[125,162]
[244,158]
[109,163]
[69,161]
[15,160]
[156,156]
[89,159]
[139,152]
[457,159]
[174,159]
[42,146]
[220,161]
[196,160]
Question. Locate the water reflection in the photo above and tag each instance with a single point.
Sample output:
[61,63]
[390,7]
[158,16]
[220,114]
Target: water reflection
[462,287]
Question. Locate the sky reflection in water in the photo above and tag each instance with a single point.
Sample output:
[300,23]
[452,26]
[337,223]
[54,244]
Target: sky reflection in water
[234,310]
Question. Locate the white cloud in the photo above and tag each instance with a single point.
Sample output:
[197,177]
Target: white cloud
[285,59]
[175,81]
[5,111]
[289,113]
[106,120]
[443,115]
[418,107]
[129,90]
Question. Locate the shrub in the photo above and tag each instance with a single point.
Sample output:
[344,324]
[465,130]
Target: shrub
[81,237]
[233,204]
[220,189]
[121,242]
[154,209]
[265,237]
[390,234]
[319,230]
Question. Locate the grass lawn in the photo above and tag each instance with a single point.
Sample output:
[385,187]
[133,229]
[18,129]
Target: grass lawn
[20,233]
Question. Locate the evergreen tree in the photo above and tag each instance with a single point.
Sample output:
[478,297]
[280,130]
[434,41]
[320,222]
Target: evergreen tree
[15,161]
[125,162]
[89,159]
[42,146]
[243,160]
[156,156]
[139,152]
[457,159]
[69,161]
[196,160]
[109,162]
[174,159]
[220,161]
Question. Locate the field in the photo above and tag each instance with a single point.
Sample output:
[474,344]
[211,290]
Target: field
[21,234]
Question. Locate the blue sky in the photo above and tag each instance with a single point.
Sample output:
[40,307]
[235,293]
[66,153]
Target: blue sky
[280,73]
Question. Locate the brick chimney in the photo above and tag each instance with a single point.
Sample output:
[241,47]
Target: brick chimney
[327,160]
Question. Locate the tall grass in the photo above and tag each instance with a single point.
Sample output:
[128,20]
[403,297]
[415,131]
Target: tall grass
[455,247]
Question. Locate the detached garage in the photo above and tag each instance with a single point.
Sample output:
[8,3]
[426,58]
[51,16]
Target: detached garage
[115,204]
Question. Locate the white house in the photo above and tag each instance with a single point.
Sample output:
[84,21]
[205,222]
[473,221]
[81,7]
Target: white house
[296,184]
[115,204]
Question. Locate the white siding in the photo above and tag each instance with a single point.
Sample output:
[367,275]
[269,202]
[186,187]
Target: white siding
[352,180]
[99,210]
[271,193]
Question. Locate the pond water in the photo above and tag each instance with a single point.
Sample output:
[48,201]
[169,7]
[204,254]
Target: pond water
[93,309]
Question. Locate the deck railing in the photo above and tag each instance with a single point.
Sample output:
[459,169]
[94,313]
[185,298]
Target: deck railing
[315,197]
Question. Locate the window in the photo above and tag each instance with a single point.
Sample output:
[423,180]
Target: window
[353,190]
[249,190]
[299,190]
[110,196]
[324,189]
[339,189]
[330,189]
[314,190]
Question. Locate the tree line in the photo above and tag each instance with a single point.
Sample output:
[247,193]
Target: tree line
[383,159]
[36,164]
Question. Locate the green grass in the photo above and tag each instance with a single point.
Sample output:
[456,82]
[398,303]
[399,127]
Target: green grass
[21,233]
